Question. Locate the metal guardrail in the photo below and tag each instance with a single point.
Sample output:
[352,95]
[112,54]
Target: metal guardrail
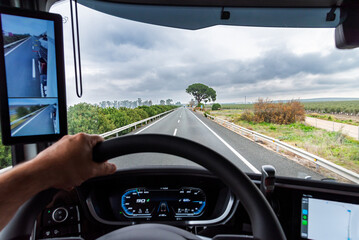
[134,125]
[350,175]
[28,115]
[5,169]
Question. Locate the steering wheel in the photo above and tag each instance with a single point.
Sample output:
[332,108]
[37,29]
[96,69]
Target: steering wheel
[265,224]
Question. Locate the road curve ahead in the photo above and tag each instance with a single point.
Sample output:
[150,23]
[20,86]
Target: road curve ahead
[39,124]
[245,154]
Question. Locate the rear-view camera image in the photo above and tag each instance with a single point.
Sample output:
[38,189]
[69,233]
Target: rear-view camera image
[31,75]
[33,116]
[30,63]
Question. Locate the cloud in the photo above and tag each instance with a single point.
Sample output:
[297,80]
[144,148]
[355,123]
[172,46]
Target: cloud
[123,59]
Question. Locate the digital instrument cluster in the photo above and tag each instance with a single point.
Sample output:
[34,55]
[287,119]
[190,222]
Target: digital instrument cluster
[163,203]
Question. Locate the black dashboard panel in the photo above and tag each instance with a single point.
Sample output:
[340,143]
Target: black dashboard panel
[167,197]
[100,211]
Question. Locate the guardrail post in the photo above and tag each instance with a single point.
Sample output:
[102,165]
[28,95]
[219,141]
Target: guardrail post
[277,148]
[316,164]
[116,134]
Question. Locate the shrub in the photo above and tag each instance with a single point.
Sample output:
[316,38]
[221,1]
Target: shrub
[83,117]
[5,155]
[279,113]
[200,106]
[247,115]
[216,106]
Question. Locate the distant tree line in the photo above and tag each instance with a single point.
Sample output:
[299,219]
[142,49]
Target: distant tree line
[134,104]
[14,37]
[333,107]
[342,107]
[23,111]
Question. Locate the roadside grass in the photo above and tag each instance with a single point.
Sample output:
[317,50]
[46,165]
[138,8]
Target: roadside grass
[333,146]
[333,119]
[18,123]
[13,117]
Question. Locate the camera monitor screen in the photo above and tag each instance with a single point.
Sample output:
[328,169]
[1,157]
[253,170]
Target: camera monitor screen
[33,106]
[324,219]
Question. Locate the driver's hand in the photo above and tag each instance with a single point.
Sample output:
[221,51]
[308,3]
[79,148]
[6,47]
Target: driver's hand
[68,162]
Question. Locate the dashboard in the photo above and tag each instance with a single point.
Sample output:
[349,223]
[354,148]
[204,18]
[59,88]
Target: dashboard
[195,200]
[172,198]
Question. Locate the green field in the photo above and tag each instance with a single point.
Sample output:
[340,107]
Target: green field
[349,107]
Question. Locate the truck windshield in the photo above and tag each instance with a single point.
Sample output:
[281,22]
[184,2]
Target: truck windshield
[280,96]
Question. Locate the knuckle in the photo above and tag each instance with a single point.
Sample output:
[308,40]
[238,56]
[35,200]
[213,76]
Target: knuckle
[81,136]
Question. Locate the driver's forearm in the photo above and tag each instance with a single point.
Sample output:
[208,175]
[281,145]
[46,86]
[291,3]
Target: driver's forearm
[18,185]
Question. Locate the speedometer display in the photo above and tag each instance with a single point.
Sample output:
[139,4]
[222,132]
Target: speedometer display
[163,203]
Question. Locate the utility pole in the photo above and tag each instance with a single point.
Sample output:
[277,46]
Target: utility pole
[245,99]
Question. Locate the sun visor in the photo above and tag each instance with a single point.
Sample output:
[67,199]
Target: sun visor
[195,17]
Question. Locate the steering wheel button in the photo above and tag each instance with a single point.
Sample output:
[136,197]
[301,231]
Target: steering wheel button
[56,232]
[47,234]
[60,215]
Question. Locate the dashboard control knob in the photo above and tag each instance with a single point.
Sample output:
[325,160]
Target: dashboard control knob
[60,214]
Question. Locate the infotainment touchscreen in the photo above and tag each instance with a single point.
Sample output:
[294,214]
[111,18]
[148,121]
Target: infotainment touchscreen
[33,106]
[324,219]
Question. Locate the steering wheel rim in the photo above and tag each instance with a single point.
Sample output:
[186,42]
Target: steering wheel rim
[265,224]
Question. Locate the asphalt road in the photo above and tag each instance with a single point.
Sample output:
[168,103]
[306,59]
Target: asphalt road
[39,124]
[21,69]
[245,154]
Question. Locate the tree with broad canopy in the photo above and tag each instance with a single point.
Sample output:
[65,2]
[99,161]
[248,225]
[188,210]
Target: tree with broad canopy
[201,92]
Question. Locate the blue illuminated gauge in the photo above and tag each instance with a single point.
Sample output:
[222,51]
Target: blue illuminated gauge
[163,203]
[191,202]
[137,203]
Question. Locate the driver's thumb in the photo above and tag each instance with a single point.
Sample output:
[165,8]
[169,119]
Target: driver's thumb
[106,168]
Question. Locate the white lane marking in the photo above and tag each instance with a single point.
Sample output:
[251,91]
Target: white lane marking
[178,121]
[33,68]
[16,47]
[28,122]
[153,123]
[174,134]
[245,161]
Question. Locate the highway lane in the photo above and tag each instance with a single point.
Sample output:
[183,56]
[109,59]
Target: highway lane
[21,69]
[39,124]
[245,154]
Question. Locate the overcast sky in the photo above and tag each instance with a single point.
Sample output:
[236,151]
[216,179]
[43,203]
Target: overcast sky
[124,59]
